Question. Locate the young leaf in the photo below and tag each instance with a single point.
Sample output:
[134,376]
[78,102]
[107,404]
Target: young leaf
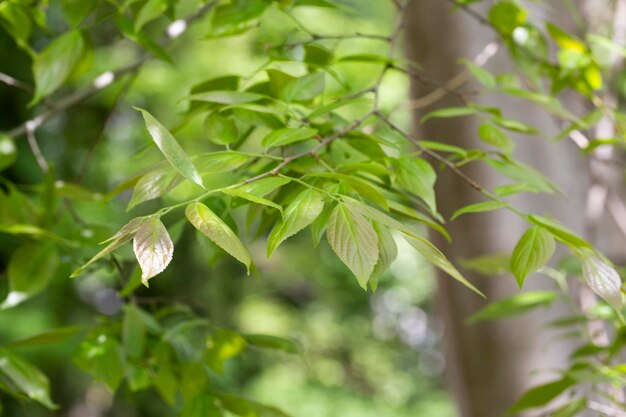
[55,64]
[26,377]
[287,136]
[302,211]
[481,74]
[304,88]
[561,233]
[479,208]
[541,395]
[438,259]
[513,306]
[226,97]
[170,148]
[30,269]
[153,248]
[217,162]
[533,250]
[603,279]
[418,177]
[388,252]
[493,136]
[221,129]
[273,342]
[153,185]
[207,222]
[151,10]
[327,108]
[354,240]
[264,186]
[449,112]
[125,234]
[237,192]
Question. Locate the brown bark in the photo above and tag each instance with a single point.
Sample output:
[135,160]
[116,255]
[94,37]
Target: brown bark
[489,365]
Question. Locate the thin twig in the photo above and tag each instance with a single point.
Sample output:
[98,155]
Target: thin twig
[105,79]
[35,149]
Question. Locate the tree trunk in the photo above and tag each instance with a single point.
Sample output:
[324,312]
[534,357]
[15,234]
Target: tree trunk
[488,365]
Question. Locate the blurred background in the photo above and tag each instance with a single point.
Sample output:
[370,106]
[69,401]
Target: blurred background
[366,354]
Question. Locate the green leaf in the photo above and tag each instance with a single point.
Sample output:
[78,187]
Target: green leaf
[354,240]
[534,250]
[559,232]
[304,88]
[564,39]
[603,279]
[300,213]
[133,331]
[202,405]
[8,151]
[481,207]
[449,112]
[58,335]
[418,177]
[101,356]
[151,10]
[273,342]
[493,264]
[26,377]
[124,235]
[55,64]
[236,17]
[571,409]
[170,148]
[438,259]
[514,125]
[221,129]
[153,248]
[513,306]
[30,269]
[365,189]
[287,136]
[226,97]
[15,20]
[238,192]
[541,395]
[506,16]
[153,185]
[264,186]
[481,74]
[207,222]
[330,107]
[223,345]
[317,55]
[77,10]
[493,136]
[387,250]
[218,162]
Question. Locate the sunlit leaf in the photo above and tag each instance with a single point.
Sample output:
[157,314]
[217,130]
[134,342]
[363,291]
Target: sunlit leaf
[287,136]
[354,240]
[533,250]
[489,205]
[153,248]
[170,148]
[515,305]
[207,222]
[300,213]
[603,279]
[26,377]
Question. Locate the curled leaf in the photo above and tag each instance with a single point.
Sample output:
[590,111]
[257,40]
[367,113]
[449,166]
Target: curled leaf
[153,248]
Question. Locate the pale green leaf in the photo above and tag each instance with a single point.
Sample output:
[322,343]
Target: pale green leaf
[541,395]
[26,377]
[515,305]
[207,222]
[287,136]
[418,177]
[479,208]
[30,269]
[533,250]
[559,232]
[603,279]
[354,240]
[153,248]
[238,192]
[438,259]
[449,112]
[170,148]
[55,64]
[226,97]
[493,136]
[300,213]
